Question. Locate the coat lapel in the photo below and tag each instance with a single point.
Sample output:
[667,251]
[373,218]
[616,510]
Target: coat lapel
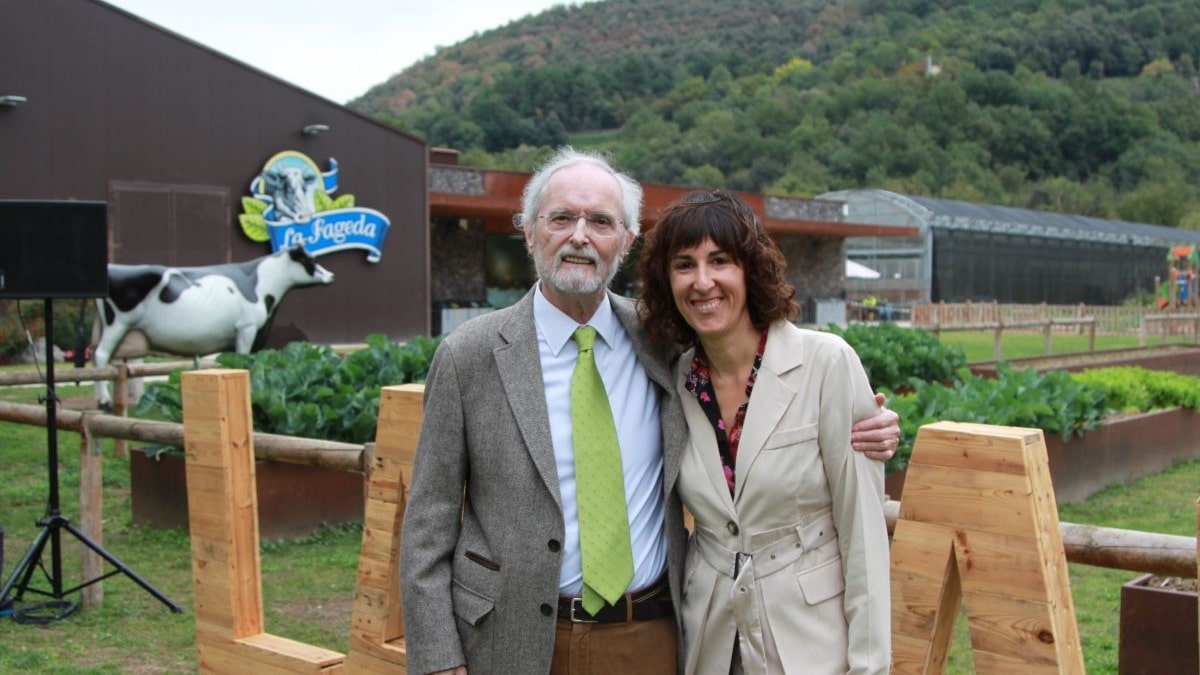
[656,361]
[770,400]
[520,368]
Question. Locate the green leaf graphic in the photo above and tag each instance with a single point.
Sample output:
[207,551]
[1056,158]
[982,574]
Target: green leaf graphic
[255,226]
[321,201]
[344,202]
[252,206]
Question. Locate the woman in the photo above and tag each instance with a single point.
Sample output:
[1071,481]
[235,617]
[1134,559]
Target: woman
[787,570]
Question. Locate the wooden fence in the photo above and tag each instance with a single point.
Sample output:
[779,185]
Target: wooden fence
[1056,319]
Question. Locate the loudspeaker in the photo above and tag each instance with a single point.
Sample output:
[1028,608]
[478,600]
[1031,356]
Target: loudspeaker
[53,249]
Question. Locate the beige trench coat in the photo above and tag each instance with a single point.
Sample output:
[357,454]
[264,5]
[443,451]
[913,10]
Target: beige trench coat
[796,563]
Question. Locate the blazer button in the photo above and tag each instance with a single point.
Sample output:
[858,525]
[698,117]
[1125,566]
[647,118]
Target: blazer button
[553,545]
[732,527]
[547,610]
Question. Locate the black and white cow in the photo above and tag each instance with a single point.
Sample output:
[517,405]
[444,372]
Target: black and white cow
[192,311]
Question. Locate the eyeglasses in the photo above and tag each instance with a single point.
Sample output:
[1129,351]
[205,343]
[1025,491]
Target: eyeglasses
[599,224]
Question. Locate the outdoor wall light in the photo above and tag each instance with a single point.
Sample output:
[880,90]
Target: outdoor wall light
[314,129]
[11,100]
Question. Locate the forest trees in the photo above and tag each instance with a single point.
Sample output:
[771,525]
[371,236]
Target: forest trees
[1092,108]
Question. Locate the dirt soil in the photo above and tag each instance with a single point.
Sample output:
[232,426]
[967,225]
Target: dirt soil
[1173,584]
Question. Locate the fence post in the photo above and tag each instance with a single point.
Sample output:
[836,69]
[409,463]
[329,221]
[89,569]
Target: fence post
[1092,335]
[1142,331]
[1048,330]
[999,338]
[120,400]
[91,509]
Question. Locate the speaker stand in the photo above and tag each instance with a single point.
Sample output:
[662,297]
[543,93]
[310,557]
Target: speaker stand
[52,527]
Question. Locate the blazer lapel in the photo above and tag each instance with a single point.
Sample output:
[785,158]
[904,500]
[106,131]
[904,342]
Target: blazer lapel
[520,368]
[656,361]
[769,401]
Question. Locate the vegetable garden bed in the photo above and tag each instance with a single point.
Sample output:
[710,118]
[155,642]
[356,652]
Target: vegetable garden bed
[1122,449]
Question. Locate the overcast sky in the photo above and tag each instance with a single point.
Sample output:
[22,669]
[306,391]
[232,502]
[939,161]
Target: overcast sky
[353,44]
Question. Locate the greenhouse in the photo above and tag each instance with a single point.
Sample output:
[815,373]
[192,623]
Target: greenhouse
[980,253]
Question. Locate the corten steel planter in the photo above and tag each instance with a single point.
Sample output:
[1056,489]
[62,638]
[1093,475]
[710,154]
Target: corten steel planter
[1183,359]
[1158,630]
[293,499]
[1121,450]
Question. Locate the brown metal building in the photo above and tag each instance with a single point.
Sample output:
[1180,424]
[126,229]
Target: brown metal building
[171,134]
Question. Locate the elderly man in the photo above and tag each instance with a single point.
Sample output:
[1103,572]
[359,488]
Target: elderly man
[498,574]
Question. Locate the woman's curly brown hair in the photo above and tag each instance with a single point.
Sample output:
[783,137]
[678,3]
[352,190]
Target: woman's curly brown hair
[734,228]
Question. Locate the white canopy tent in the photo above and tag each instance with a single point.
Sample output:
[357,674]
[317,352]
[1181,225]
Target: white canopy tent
[859,271]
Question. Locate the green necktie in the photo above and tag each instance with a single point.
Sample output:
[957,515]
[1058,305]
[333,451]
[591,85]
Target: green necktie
[599,484]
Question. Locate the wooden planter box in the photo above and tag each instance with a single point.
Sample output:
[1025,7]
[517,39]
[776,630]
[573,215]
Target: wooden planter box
[293,500]
[1158,630]
[1122,450]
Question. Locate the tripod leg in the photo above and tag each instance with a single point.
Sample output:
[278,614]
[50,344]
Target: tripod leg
[120,566]
[25,567]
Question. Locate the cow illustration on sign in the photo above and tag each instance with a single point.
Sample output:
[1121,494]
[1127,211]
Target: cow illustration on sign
[291,206]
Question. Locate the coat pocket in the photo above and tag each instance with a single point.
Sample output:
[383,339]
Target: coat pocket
[470,606]
[782,438]
[822,582]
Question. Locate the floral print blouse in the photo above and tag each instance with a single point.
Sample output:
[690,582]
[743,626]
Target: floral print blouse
[700,385]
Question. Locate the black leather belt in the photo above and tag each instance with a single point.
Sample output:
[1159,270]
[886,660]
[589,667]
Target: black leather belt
[644,605]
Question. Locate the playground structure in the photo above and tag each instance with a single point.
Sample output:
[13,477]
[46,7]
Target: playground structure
[1179,289]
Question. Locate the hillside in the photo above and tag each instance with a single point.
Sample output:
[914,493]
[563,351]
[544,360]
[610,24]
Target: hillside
[1083,107]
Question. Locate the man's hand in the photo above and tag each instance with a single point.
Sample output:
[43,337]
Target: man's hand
[878,436]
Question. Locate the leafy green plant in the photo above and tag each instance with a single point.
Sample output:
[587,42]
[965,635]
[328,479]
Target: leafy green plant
[1053,402]
[892,356]
[1137,389]
[309,391]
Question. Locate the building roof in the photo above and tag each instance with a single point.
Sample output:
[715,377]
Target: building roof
[956,215]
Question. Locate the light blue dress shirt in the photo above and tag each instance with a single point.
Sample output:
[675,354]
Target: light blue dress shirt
[634,402]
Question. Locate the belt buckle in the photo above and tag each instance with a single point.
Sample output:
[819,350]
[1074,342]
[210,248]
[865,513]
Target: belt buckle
[578,602]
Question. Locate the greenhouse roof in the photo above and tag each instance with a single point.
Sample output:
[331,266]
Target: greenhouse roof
[949,214]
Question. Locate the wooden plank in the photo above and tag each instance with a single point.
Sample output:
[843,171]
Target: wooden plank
[222,501]
[276,649]
[962,445]
[953,496]
[376,643]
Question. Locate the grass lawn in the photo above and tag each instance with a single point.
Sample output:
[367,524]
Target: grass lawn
[980,345]
[309,584]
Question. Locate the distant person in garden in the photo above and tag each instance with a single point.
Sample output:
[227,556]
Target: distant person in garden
[542,518]
[787,571]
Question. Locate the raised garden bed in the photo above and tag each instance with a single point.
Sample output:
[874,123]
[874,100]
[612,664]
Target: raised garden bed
[1183,359]
[1123,449]
[1158,627]
[293,499]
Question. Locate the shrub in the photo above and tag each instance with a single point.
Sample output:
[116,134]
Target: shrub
[1053,402]
[309,391]
[893,356]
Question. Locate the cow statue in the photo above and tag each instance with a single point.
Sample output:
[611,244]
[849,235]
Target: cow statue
[190,311]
